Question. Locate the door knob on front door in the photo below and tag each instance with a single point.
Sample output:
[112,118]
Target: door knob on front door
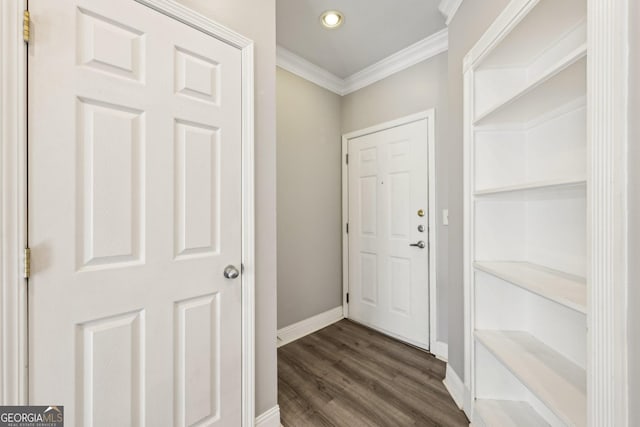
[230,272]
[420,244]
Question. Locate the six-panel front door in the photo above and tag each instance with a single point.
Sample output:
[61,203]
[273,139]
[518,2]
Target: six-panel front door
[388,231]
[134,213]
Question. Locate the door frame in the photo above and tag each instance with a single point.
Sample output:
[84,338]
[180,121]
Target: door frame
[438,348]
[13,197]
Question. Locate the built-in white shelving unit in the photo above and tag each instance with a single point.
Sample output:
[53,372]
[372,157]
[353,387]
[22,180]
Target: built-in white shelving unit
[525,214]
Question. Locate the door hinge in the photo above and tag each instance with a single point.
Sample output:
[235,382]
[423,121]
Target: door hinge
[26,26]
[27,263]
[346,158]
[347,297]
[347,228]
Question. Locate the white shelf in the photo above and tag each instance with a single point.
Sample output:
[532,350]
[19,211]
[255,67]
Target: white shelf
[536,187]
[502,413]
[560,84]
[543,28]
[556,381]
[565,289]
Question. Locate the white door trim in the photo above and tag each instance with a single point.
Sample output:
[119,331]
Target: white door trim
[13,221]
[429,115]
[13,205]
[607,212]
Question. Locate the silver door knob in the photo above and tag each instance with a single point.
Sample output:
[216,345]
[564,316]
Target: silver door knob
[420,244]
[230,272]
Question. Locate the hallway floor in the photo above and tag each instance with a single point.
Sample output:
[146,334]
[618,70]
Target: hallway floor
[347,375]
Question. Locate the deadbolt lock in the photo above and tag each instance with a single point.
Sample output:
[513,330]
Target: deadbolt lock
[421,212]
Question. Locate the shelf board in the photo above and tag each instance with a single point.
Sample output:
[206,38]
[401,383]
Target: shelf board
[540,186]
[543,27]
[560,84]
[557,382]
[563,288]
[498,413]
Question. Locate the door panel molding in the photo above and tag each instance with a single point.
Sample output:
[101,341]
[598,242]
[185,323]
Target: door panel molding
[13,208]
[438,348]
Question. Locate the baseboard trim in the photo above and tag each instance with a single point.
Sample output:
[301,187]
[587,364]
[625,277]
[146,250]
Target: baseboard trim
[269,418]
[440,350]
[467,407]
[308,326]
[454,386]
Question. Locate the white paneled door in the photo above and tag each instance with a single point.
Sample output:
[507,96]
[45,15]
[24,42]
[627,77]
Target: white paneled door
[134,214]
[388,231]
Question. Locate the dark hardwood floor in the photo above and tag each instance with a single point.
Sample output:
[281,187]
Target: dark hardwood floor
[347,375]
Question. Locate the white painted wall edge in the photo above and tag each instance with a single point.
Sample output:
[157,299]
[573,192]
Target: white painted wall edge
[467,405]
[440,350]
[269,418]
[449,8]
[308,326]
[401,60]
[454,386]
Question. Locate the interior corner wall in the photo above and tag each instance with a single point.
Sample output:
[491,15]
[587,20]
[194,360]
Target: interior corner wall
[469,23]
[308,199]
[634,217]
[256,20]
[415,89]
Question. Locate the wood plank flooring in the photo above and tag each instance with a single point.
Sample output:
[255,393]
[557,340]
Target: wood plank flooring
[347,375]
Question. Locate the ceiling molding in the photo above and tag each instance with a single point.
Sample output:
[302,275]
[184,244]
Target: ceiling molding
[301,67]
[449,8]
[401,60]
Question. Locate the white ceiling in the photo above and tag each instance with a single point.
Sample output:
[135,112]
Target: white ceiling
[372,30]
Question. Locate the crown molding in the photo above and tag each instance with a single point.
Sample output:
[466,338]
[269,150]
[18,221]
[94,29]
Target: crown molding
[299,66]
[403,59]
[449,8]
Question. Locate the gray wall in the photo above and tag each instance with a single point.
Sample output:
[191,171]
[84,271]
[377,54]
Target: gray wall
[634,219]
[415,89]
[471,21]
[309,199]
[256,19]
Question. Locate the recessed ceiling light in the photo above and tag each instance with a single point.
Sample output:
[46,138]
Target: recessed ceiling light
[332,19]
